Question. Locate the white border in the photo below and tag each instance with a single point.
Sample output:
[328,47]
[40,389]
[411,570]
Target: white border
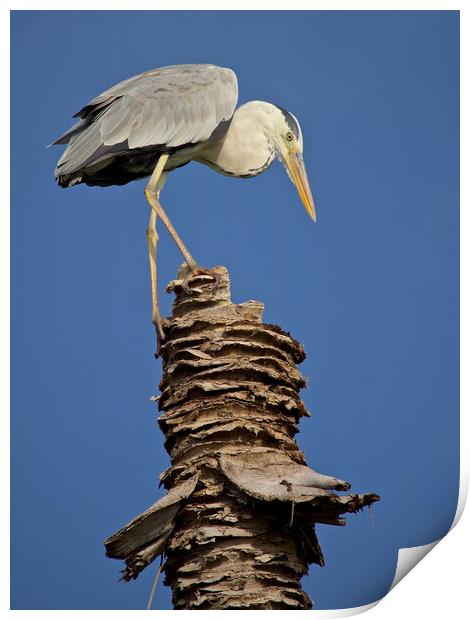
[437,586]
[245,5]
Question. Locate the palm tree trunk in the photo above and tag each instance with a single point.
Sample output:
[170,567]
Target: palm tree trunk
[237,525]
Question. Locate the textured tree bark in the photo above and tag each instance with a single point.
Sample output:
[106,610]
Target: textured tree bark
[237,525]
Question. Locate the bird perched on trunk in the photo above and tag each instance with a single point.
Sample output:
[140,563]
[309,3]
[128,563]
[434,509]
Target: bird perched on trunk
[164,118]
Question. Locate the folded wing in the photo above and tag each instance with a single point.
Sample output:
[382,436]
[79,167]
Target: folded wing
[164,108]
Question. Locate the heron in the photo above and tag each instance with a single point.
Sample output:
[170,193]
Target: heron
[160,120]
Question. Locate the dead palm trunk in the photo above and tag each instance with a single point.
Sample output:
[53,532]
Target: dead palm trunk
[237,525]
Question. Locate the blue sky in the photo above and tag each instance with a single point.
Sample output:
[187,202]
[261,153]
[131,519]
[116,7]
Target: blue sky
[371,290]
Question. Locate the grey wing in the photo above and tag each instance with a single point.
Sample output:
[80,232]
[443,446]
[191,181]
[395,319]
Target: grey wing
[168,106]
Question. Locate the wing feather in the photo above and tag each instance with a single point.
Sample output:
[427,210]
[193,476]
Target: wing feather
[81,148]
[169,106]
[115,126]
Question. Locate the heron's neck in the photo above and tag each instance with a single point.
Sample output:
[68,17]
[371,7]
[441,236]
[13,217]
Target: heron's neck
[245,150]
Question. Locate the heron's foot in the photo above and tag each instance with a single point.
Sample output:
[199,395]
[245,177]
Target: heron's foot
[200,280]
[157,321]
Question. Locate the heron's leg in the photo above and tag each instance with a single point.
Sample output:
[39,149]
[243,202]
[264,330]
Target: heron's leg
[152,238]
[159,178]
[151,193]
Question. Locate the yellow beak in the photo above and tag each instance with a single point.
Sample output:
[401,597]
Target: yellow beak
[296,167]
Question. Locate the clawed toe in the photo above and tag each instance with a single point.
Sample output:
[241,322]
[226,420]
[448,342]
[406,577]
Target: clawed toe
[160,336]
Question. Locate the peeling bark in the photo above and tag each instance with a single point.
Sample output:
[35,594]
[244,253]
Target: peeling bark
[238,522]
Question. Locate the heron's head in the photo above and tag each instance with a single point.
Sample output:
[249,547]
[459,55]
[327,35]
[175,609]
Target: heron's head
[287,140]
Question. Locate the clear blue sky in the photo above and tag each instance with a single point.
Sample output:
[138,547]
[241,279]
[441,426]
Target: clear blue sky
[371,290]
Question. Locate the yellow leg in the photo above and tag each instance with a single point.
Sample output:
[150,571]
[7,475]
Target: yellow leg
[152,238]
[151,193]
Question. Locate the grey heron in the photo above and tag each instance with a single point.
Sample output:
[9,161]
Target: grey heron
[164,118]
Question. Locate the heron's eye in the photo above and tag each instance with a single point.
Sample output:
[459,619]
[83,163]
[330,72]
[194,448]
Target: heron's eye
[289,136]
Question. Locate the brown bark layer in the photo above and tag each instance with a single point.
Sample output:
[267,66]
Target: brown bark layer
[238,523]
